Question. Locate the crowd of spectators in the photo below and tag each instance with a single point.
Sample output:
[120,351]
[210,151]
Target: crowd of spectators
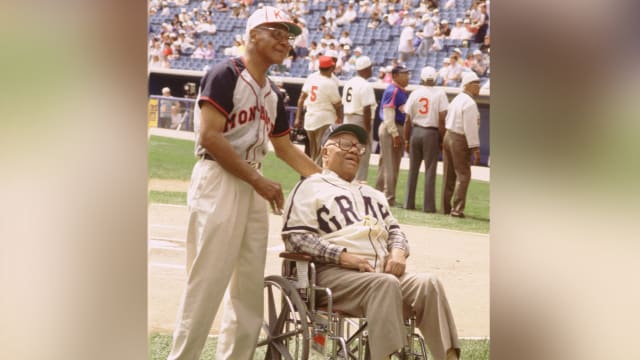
[422,30]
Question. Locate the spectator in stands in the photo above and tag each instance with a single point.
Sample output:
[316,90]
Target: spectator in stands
[456,56]
[364,9]
[393,18]
[166,11]
[235,11]
[348,17]
[391,132]
[167,51]
[468,62]
[479,65]
[445,30]
[405,44]
[313,62]
[330,13]
[438,41]
[199,52]
[357,53]
[322,22]
[482,24]
[155,62]
[210,52]
[486,44]
[376,17]
[345,39]
[301,43]
[426,35]
[443,71]
[459,31]
[221,6]
[452,76]
[206,4]
[313,49]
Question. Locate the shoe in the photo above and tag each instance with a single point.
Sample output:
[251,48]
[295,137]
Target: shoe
[457,214]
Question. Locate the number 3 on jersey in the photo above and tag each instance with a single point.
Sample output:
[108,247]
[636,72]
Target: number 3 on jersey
[313,96]
[425,106]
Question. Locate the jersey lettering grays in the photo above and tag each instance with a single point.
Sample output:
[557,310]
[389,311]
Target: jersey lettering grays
[253,113]
[342,213]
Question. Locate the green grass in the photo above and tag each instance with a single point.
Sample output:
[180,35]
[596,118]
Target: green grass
[160,345]
[173,159]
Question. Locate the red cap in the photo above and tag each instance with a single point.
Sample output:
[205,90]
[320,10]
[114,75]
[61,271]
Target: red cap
[325,62]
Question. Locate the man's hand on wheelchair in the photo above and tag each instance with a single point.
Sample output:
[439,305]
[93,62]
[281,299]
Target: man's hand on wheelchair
[396,262]
[356,262]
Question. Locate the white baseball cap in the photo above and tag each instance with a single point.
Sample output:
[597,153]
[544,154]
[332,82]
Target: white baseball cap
[363,62]
[359,49]
[446,61]
[428,73]
[477,52]
[271,15]
[456,50]
[331,53]
[469,76]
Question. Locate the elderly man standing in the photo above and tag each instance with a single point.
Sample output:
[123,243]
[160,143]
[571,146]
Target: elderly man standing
[348,229]
[460,141]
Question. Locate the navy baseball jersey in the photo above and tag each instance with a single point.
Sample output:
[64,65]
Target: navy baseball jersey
[394,96]
[253,113]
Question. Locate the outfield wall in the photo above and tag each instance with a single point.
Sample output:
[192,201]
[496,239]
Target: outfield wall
[176,80]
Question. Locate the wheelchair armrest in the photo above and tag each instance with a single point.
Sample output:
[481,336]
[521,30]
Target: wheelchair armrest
[295,256]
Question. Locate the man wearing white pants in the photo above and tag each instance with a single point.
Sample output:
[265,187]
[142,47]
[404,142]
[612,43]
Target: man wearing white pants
[239,111]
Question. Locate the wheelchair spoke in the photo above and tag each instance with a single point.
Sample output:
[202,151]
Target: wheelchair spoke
[272,309]
[282,350]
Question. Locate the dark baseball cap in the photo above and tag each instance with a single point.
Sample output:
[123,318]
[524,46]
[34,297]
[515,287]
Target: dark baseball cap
[399,69]
[336,129]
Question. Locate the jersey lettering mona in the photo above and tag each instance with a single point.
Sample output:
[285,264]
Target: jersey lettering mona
[253,113]
[342,213]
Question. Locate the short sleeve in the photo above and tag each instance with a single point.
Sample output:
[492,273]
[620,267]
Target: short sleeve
[216,85]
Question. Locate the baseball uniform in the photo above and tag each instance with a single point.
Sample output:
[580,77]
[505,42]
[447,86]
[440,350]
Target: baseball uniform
[228,224]
[462,123]
[356,94]
[326,215]
[423,107]
[322,93]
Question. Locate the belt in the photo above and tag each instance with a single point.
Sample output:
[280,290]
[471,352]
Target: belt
[253,164]
[427,127]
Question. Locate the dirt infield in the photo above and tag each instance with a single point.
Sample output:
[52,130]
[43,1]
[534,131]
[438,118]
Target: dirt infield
[460,259]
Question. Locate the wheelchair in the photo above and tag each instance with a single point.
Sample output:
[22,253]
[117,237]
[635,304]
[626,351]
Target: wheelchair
[295,328]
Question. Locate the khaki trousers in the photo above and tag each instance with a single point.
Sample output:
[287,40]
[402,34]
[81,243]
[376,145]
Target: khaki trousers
[363,168]
[456,158]
[315,143]
[386,300]
[389,163]
[226,245]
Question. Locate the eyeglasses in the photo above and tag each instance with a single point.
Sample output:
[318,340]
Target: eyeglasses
[347,145]
[279,34]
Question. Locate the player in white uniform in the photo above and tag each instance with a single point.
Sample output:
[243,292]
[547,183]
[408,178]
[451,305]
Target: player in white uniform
[360,252]
[321,98]
[239,111]
[460,141]
[359,103]
[426,109]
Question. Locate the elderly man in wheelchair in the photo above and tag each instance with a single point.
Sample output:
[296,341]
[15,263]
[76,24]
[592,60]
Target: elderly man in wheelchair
[344,235]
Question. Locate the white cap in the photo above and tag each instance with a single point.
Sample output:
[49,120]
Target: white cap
[388,68]
[444,22]
[363,62]
[458,20]
[466,21]
[165,89]
[469,76]
[477,52]
[271,15]
[428,73]
[358,49]
[446,61]
[456,50]
[346,47]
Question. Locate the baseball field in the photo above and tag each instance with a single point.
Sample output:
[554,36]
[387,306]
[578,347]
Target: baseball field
[457,250]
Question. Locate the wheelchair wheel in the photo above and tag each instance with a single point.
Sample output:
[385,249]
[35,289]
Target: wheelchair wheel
[285,329]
